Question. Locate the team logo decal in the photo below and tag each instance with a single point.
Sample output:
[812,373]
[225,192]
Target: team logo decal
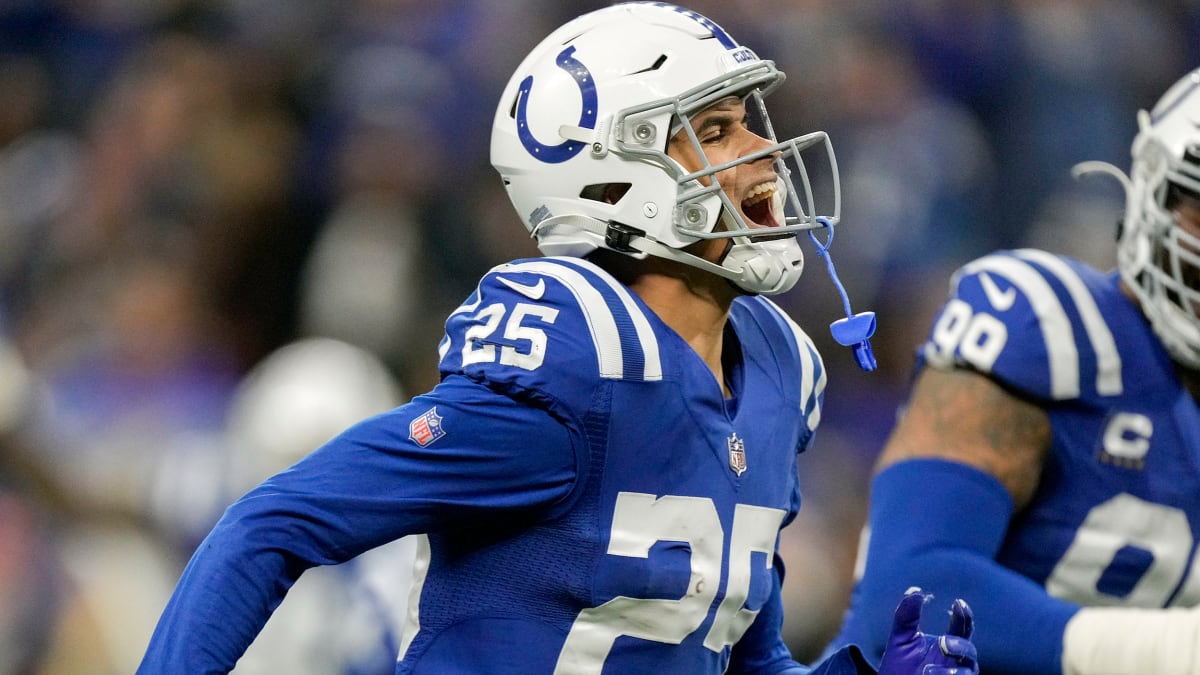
[553,154]
[737,454]
[427,428]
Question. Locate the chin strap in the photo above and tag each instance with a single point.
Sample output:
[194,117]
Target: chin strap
[855,330]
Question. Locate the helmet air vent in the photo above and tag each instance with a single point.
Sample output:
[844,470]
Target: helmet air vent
[662,58]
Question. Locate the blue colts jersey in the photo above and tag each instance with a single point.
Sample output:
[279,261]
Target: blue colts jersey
[587,500]
[665,555]
[1116,516]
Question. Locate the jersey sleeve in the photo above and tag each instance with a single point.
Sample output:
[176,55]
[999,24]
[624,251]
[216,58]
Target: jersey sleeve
[548,331]
[462,453]
[1030,320]
[920,535]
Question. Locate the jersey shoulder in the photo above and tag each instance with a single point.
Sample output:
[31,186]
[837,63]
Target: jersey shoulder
[1044,324]
[551,328]
[774,342]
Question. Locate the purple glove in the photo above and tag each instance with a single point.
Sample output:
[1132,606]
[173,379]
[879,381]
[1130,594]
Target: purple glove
[911,652]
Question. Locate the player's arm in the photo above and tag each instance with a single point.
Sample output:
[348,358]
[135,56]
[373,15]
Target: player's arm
[961,436]
[489,457]
[966,454]
[963,416]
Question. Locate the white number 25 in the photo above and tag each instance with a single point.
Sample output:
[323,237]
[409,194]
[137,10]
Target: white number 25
[639,521]
[479,350]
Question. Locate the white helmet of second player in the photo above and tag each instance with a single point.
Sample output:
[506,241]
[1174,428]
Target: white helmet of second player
[593,106]
[298,397]
[1158,259]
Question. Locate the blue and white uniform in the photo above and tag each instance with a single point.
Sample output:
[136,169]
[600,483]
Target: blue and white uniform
[590,501]
[1115,519]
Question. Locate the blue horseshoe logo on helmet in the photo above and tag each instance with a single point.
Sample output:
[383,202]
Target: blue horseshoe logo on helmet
[553,154]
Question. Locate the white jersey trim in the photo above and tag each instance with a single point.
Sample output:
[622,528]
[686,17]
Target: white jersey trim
[653,369]
[1108,359]
[1059,339]
[810,359]
[412,618]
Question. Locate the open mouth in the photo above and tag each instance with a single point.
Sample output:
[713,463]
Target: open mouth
[759,206]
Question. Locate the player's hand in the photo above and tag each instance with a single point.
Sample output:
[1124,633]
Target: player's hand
[911,652]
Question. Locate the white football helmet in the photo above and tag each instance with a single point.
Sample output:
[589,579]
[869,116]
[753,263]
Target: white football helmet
[298,397]
[594,105]
[1158,259]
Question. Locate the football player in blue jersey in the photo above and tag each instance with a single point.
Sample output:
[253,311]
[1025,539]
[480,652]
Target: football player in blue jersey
[1060,403]
[599,480]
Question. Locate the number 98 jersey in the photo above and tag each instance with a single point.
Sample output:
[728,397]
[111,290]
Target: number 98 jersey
[663,556]
[1115,517]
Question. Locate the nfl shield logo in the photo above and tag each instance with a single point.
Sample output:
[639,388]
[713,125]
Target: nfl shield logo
[427,428]
[737,454]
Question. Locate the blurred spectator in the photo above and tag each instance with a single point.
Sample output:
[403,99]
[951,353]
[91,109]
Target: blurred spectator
[145,383]
[32,580]
[1083,70]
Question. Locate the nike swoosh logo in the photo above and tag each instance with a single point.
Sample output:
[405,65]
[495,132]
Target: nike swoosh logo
[1001,300]
[533,292]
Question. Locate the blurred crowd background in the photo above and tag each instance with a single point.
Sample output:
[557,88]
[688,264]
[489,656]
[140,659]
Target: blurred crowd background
[229,228]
